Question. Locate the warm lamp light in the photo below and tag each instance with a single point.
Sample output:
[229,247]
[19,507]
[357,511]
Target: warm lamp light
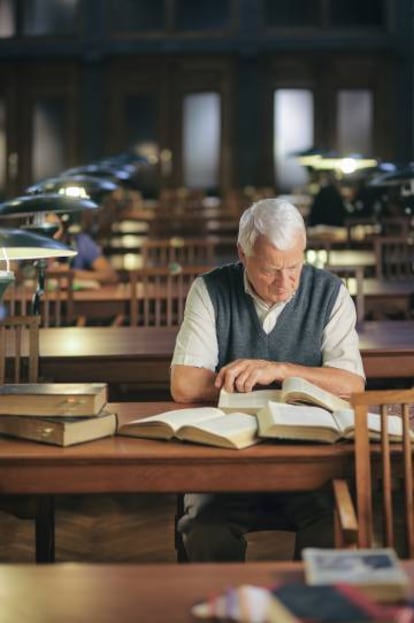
[77,186]
[30,205]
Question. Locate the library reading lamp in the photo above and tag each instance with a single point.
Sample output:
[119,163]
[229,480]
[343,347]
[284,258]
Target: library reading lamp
[29,242]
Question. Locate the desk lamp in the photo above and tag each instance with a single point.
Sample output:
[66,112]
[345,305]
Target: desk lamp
[75,186]
[17,244]
[119,173]
[34,208]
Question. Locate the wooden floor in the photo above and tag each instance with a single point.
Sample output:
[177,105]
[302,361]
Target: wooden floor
[118,528]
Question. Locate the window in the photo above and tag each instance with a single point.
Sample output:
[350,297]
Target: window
[354,132]
[50,17]
[201,140]
[293,131]
[48,137]
[133,16]
[7,19]
[202,15]
[291,14]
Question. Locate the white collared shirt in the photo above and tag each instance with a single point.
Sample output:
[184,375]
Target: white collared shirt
[197,345]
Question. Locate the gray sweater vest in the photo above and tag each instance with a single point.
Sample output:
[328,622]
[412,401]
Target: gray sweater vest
[297,336]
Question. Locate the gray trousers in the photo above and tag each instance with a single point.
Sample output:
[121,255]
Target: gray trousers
[213,525]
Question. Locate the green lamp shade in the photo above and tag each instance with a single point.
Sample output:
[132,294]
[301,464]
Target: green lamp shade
[18,244]
[394,178]
[73,186]
[29,205]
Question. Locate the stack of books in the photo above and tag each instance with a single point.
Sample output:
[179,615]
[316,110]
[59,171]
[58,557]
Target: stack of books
[62,414]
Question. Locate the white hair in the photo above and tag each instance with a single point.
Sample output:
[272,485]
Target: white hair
[277,219]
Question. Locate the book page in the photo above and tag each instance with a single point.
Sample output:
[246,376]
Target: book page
[345,420]
[247,402]
[240,429]
[296,389]
[176,418]
[296,422]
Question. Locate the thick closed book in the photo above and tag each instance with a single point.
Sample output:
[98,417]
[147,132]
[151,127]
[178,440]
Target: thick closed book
[376,571]
[205,425]
[53,399]
[59,431]
[309,423]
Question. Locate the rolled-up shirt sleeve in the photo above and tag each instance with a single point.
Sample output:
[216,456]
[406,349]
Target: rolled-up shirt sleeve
[196,344]
[340,342]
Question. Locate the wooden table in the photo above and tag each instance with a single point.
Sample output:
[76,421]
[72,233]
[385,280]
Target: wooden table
[131,465]
[115,355]
[387,348]
[151,593]
[142,355]
[124,464]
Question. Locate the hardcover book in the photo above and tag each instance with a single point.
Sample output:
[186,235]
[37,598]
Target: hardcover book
[59,431]
[205,425]
[310,423]
[53,399]
[376,571]
[295,390]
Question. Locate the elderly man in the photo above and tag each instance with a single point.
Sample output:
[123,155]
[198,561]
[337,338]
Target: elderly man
[255,323]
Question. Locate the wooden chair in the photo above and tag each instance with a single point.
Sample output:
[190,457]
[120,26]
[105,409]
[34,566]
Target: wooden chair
[158,294]
[394,257]
[184,251]
[19,362]
[383,478]
[57,302]
[23,365]
[353,278]
[361,229]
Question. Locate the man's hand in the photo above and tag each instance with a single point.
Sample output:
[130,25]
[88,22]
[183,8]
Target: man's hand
[243,374]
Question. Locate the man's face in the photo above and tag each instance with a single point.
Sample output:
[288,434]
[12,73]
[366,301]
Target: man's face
[273,274]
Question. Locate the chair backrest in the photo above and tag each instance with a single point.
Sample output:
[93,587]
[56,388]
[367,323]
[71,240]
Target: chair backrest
[383,473]
[361,229]
[158,294]
[19,349]
[396,225]
[394,257]
[353,278]
[185,251]
[57,303]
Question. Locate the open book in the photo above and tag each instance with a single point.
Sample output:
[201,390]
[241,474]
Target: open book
[309,423]
[294,390]
[206,425]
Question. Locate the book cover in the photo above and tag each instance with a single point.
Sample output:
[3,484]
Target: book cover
[205,425]
[53,399]
[377,571]
[60,431]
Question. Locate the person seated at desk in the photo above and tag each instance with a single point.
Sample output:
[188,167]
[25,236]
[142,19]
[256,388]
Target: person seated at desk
[89,263]
[328,206]
[255,323]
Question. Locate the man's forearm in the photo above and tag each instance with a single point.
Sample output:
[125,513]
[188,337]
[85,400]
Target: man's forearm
[191,384]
